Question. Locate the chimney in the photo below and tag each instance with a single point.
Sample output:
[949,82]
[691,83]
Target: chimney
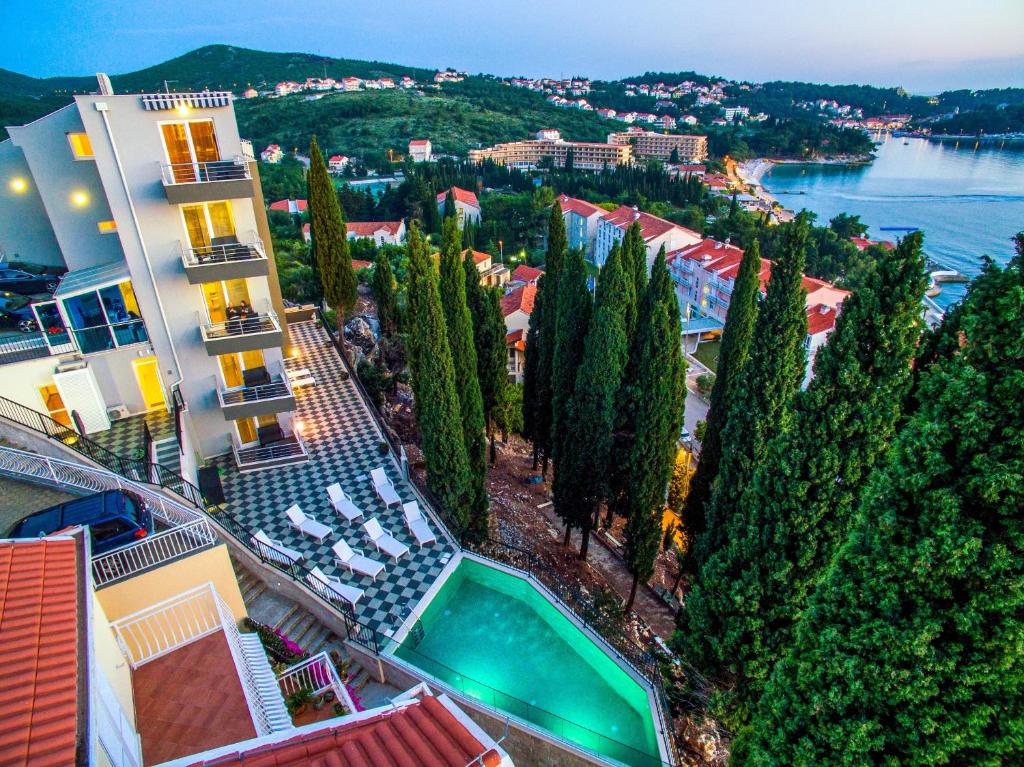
[824,309]
[106,89]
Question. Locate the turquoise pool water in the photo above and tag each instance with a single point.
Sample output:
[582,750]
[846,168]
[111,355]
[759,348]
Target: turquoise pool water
[494,637]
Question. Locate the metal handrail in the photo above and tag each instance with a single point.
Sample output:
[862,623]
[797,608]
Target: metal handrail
[152,551]
[235,169]
[276,389]
[250,249]
[254,324]
[316,674]
[291,447]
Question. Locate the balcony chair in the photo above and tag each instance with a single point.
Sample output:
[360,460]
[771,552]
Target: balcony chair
[255,377]
[355,560]
[383,540]
[332,588]
[307,525]
[417,524]
[385,489]
[343,504]
[275,551]
[270,434]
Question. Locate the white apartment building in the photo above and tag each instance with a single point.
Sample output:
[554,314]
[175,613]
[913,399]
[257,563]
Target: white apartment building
[581,219]
[381,232]
[171,301]
[611,228]
[647,143]
[527,155]
[420,150]
[467,206]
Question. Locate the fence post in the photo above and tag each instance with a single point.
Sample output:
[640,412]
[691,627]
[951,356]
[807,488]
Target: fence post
[404,462]
[49,466]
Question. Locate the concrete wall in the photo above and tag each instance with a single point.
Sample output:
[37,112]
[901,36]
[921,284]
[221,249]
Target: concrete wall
[110,661]
[25,231]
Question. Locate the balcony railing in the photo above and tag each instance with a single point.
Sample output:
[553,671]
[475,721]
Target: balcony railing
[289,449]
[242,333]
[18,348]
[231,252]
[272,395]
[202,172]
[152,551]
[318,675]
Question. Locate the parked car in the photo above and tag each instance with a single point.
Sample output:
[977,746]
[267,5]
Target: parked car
[26,282]
[114,518]
[15,312]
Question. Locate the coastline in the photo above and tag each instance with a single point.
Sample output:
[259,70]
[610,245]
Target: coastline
[752,171]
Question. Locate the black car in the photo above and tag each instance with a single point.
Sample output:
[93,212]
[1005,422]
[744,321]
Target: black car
[15,312]
[114,518]
[26,282]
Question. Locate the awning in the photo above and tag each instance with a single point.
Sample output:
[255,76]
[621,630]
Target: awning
[701,325]
[92,278]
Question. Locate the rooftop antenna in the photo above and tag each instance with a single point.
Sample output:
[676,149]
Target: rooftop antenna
[167,87]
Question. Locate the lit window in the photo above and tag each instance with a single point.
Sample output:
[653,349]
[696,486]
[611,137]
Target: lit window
[106,227]
[81,147]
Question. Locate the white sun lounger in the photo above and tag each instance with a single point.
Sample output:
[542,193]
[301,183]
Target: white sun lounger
[356,561]
[417,524]
[383,540]
[385,490]
[332,588]
[306,525]
[275,550]
[342,503]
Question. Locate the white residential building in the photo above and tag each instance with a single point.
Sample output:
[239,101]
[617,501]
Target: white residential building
[272,154]
[611,228]
[467,206]
[420,150]
[581,220]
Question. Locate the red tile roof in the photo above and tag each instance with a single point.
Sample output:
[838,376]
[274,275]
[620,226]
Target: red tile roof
[863,243]
[527,274]
[650,226]
[519,299]
[419,142]
[370,228]
[358,264]
[460,195]
[39,623]
[580,207]
[478,256]
[820,318]
[283,205]
[516,339]
[722,258]
[424,734]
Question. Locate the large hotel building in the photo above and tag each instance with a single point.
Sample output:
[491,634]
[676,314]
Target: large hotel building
[691,149]
[527,155]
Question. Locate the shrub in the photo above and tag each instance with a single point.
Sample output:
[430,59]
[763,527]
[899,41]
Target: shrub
[705,382]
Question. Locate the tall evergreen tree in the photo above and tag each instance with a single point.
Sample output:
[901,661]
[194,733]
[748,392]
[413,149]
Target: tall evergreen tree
[798,509]
[592,414]
[431,219]
[571,324]
[384,292]
[768,382]
[909,652]
[330,243]
[463,350]
[558,246]
[661,394]
[438,411]
[533,426]
[491,349]
[450,211]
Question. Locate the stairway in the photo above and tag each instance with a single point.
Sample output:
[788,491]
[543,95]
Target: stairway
[266,682]
[166,453]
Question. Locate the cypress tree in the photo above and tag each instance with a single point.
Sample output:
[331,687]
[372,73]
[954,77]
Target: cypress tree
[797,511]
[491,349]
[463,351]
[532,429]
[732,356]
[450,211]
[438,412]
[431,219]
[557,250]
[770,378]
[384,292]
[592,413]
[327,228]
[909,652]
[571,324]
[661,387]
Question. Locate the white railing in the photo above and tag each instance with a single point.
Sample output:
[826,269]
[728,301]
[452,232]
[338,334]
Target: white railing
[249,249]
[318,675]
[152,551]
[278,387]
[234,169]
[291,446]
[253,324]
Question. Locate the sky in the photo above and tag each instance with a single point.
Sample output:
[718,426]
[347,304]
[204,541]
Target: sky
[924,45]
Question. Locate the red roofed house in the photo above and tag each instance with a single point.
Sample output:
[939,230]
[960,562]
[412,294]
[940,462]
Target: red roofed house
[337,163]
[863,243]
[420,150]
[467,206]
[611,228]
[491,274]
[516,343]
[381,232]
[272,154]
[289,206]
[526,275]
[581,219]
[516,307]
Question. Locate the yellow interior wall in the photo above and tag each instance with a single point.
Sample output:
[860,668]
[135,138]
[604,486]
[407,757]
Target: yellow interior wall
[110,661]
[168,581]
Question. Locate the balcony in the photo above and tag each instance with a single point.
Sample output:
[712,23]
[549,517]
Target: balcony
[263,393]
[225,259]
[242,334]
[277,448]
[207,181]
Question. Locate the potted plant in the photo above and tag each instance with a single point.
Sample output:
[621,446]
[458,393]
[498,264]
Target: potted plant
[298,700]
[382,448]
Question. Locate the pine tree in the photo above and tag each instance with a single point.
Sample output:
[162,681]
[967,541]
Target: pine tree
[438,412]
[661,394]
[571,324]
[327,228]
[557,250]
[463,351]
[592,413]
[384,293]
[787,526]
[732,356]
[764,393]
[491,349]
[532,425]
[909,652]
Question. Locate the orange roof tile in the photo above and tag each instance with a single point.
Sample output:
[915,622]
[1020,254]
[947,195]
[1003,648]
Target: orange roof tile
[820,318]
[524,273]
[370,228]
[284,205]
[516,339]
[424,733]
[520,299]
[581,207]
[460,195]
[39,623]
[478,256]
[650,226]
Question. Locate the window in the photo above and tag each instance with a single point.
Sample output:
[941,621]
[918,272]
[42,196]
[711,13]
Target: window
[106,318]
[208,224]
[106,227]
[81,147]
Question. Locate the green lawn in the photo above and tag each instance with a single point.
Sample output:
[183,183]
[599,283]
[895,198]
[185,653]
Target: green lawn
[707,353]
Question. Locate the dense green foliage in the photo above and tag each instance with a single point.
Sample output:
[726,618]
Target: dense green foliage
[732,357]
[330,243]
[533,427]
[459,325]
[438,411]
[909,652]
[660,395]
[385,294]
[489,338]
[985,119]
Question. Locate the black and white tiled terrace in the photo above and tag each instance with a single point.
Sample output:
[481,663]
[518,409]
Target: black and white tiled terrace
[343,445]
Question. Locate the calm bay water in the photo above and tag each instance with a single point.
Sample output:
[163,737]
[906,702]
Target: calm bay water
[968,201]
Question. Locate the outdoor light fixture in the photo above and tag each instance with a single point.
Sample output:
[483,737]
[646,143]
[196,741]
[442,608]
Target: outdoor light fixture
[183,108]
[18,184]
[299,426]
[79,199]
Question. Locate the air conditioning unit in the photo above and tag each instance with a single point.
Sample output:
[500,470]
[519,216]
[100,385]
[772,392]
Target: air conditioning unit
[117,412]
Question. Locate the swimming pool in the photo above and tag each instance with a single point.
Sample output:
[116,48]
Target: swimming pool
[494,637]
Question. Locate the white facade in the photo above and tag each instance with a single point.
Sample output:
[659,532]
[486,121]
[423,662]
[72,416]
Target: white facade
[420,150]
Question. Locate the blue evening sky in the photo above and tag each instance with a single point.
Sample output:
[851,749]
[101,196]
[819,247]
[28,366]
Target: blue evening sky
[924,45]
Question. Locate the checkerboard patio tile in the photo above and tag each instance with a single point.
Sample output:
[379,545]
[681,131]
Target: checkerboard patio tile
[342,441]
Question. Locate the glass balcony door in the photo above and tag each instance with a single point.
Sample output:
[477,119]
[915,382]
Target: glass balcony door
[209,226]
[232,367]
[106,318]
[51,325]
[188,145]
[227,300]
[248,436]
